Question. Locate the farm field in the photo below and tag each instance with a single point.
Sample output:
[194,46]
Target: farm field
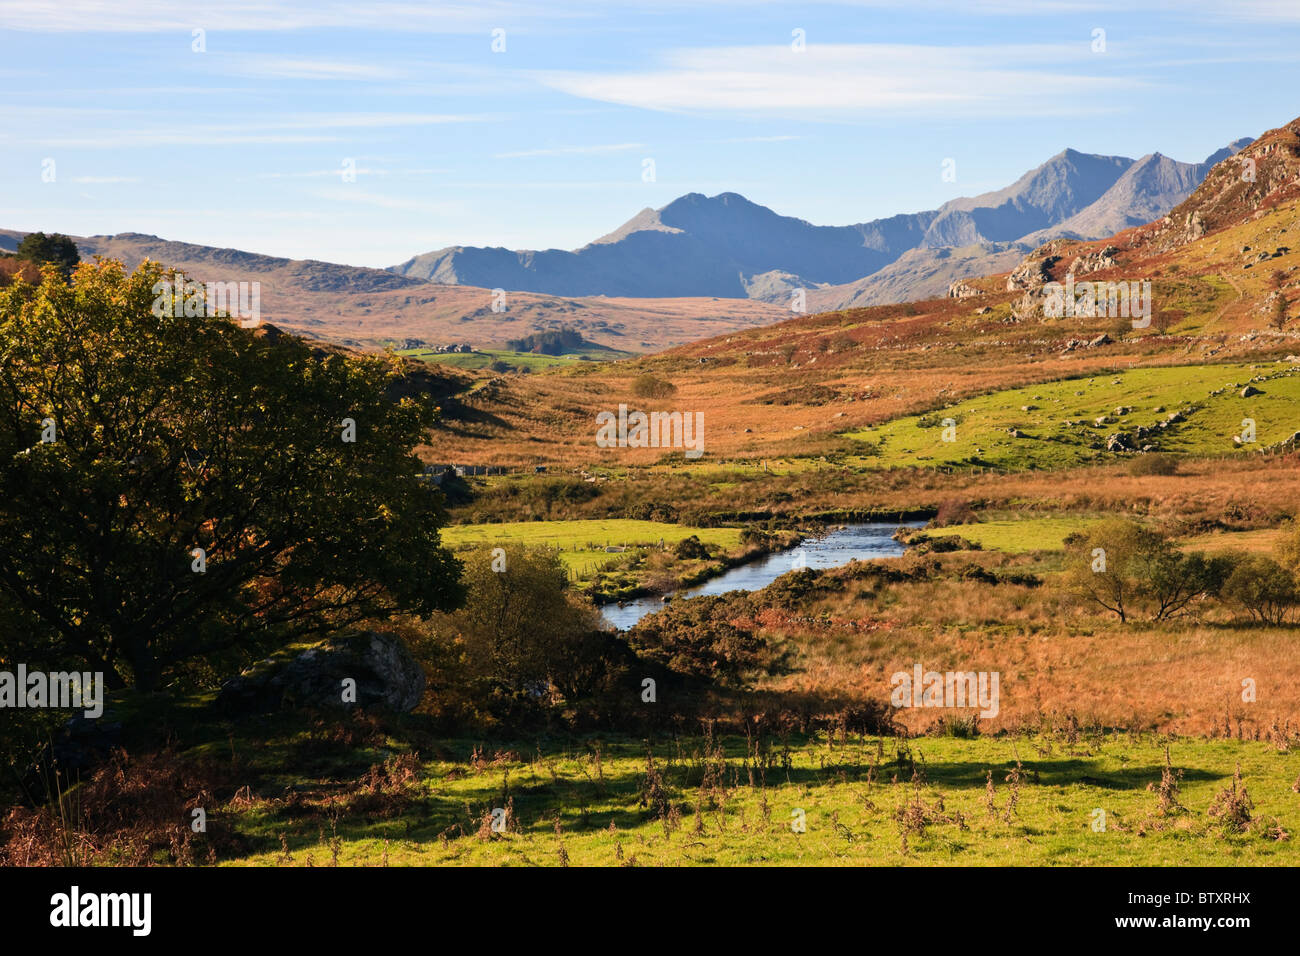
[532,361]
[582,543]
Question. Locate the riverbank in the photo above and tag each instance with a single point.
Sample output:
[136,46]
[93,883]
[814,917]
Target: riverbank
[832,548]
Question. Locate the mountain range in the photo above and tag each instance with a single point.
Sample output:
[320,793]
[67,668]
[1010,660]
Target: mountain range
[730,247]
[699,266]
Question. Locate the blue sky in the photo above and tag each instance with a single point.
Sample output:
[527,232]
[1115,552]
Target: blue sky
[545,143]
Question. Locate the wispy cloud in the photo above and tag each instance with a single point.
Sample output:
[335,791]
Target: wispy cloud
[572,150]
[757,139]
[351,194]
[303,68]
[116,129]
[163,16]
[323,173]
[837,81]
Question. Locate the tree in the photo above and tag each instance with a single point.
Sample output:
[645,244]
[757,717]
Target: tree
[1263,587]
[55,249]
[1171,581]
[1125,568]
[1287,549]
[181,491]
[1277,318]
[523,629]
[1102,562]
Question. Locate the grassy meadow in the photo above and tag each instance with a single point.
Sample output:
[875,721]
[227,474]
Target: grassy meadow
[1030,800]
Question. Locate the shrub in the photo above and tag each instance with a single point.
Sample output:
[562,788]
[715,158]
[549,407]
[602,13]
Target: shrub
[648,386]
[1153,463]
[703,638]
[691,549]
[953,511]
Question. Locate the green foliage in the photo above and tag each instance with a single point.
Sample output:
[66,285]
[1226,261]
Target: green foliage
[1288,547]
[1265,589]
[55,249]
[550,342]
[1125,568]
[523,632]
[178,433]
[691,549]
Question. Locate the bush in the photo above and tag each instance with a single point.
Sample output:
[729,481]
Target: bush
[647,386]
[691,549]
[1153,463]
[703,638]
[522,641]
[953,511]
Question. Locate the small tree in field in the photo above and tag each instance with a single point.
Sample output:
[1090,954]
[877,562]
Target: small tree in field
[1125,568]
[179,493]
[522,627]
[1261,586]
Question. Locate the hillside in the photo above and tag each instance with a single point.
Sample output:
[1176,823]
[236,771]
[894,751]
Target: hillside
[370,308]
[817,384]
[730,247]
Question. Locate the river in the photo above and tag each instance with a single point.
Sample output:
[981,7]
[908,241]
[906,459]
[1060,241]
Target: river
[860,541]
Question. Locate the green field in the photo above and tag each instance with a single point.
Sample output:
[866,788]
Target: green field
[870,801]
[1206,395]
[534,361]
[1018,535]
[582,543]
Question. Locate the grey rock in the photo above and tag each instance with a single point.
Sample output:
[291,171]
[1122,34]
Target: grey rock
[387,677]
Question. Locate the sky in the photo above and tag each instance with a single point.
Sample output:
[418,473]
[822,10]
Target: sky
[369,132]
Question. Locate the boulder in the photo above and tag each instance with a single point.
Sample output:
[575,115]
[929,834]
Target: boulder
[1119,442]
[387,677]
[1094,262]
[1248,391]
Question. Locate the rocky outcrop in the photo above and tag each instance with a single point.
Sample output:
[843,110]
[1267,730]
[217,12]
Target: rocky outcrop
[1094,261]
[1034,272]
[387,677]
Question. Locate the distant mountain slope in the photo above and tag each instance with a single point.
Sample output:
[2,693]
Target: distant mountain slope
[1063,186]
[1148,189]
[920,274]
[730,247]
[357,306]
[696,245]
